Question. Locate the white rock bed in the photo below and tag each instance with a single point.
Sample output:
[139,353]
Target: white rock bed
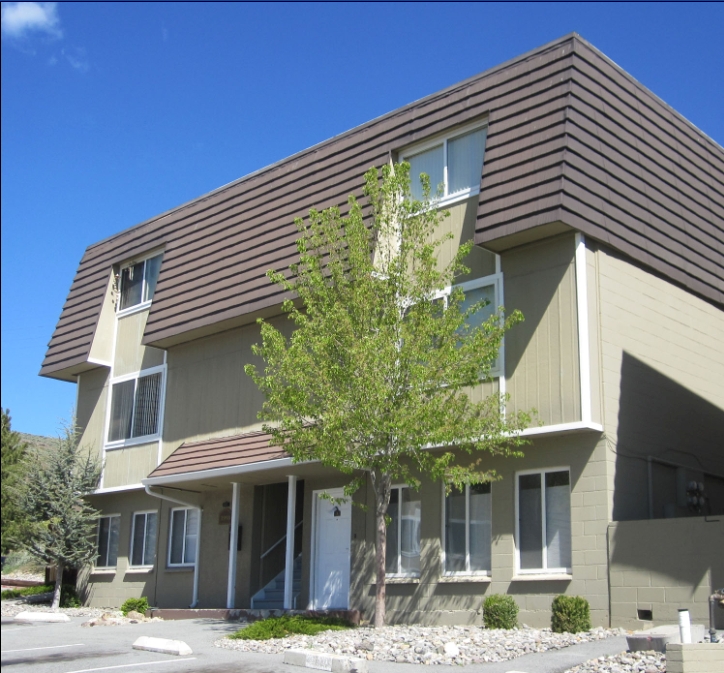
[10,608]
[425,645]
[626,662]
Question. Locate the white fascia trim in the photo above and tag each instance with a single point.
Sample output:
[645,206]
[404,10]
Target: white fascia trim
[234,470]
[584,355]
[95,361]
[220,472]
[562,428]
[118,489]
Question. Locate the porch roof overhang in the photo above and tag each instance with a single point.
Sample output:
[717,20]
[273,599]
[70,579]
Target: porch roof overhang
[246,457]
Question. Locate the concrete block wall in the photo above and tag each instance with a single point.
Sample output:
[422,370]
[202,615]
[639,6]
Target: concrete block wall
[662,565]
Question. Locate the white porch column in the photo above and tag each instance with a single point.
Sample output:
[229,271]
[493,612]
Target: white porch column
[289,564]
[233,543]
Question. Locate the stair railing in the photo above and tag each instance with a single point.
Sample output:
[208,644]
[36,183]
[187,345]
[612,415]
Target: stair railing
[279,541]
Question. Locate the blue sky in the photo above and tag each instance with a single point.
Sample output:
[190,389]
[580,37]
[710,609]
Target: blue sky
[113,113]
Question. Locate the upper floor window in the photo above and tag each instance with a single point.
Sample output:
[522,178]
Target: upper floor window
[137,282]
[490,290]
[136,406]
[454,163]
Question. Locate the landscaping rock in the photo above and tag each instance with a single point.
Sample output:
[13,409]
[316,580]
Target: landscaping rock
[451,645]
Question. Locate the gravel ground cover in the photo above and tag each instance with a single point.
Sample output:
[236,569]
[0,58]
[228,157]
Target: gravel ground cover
[10,608]
[626,662]
[32,577]
[426,645]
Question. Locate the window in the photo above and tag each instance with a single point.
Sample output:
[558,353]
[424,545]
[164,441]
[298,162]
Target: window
[108,528]
[544,521]
[467,516]
[136,406]
[403,533]
[143,539]
[489,289]
[184,537]
[137,282]
[455,163]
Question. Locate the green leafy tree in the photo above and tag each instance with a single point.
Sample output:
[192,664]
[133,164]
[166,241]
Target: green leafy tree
[13,450]
[59,524]
[374,380]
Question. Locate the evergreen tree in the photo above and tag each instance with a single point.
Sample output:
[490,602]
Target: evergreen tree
[59,525]
[13,450]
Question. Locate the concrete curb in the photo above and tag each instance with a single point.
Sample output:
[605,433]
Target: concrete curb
[43,617]
[162,645]
[658,637]
[325,662]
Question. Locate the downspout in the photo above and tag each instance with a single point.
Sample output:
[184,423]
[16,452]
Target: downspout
[163,496]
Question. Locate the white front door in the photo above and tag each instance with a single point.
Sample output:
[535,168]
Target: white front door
[331,552]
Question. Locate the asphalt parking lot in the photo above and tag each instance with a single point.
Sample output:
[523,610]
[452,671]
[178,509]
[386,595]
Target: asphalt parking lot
[70,648]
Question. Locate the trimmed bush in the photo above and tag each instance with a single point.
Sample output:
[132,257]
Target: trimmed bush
[137,604]
[280,627]
[570,614]
[500,612]
[26,591]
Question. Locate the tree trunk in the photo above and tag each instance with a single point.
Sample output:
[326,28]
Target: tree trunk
[382,498]
[58,584]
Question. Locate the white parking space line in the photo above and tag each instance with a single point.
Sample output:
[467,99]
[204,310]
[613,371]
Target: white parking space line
[49,647]
[142,663]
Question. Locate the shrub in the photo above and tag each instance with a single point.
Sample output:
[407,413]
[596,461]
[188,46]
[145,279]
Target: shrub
[570,614]
[500,612]
[26,591]
[69,597]
[280,627]
[137,604]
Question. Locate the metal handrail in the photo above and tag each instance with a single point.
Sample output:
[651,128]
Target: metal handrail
[279,541]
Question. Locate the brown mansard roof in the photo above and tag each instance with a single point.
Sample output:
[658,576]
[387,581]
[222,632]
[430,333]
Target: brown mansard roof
[572,138]
[210,454]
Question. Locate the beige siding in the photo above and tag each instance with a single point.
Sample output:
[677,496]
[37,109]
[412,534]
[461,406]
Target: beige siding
[461,224]
[91,411]
[207,392]
[130,355]
[662,371]
[541,354]
[129,465]
[102,346]
[594,332]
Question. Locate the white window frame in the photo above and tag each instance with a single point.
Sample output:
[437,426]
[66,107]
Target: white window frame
[143,304]
[443,140]
[467,571]
[144,439]
[145,513]
[496,281]
[400,487]
[545,570]
[169,563]
[98,541]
